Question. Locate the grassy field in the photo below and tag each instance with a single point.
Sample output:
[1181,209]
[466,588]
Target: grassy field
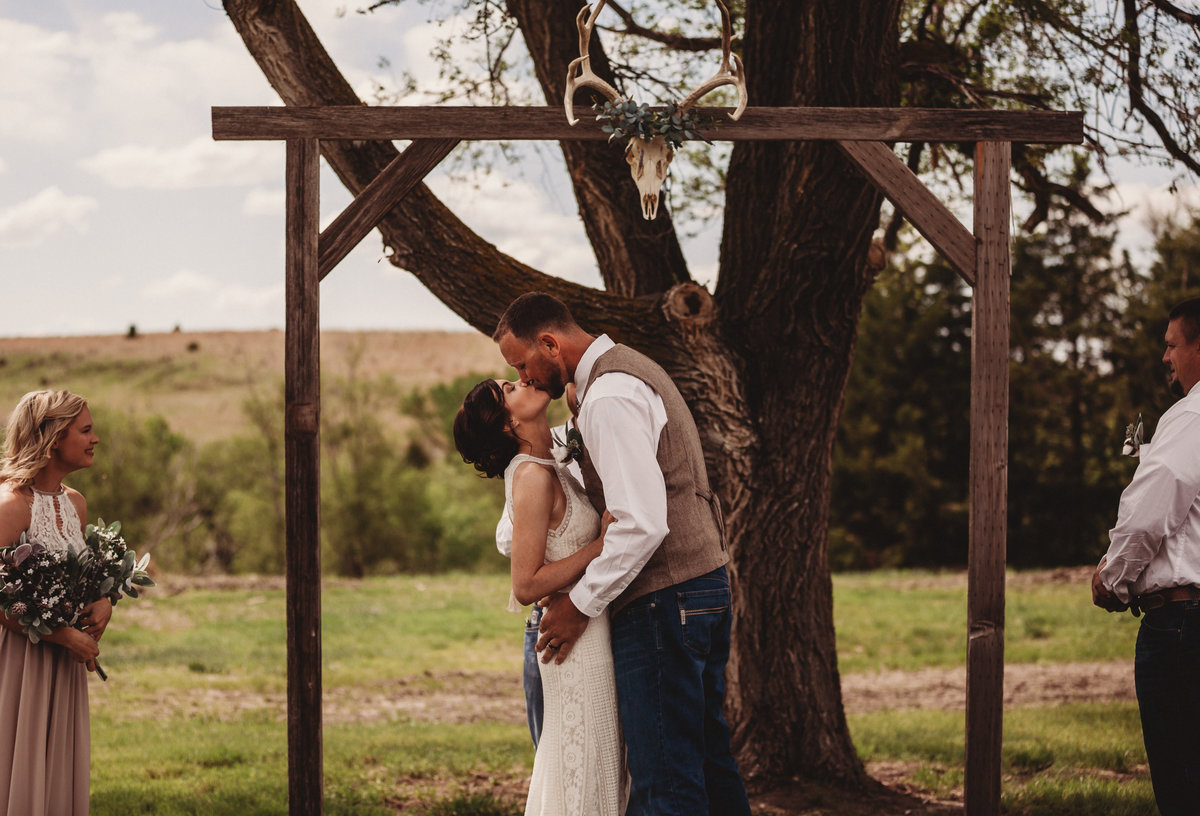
[424,711]
[198,381]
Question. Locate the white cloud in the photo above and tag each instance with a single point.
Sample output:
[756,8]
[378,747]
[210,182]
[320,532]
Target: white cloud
[37,67]
[520,219]
[182,284]
[264,201]
[34,220]
[199,163]
[187,285]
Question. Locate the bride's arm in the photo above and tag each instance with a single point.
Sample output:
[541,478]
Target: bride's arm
[533,501]
[14,520]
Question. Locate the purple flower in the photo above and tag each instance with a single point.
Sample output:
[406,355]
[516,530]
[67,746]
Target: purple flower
[18,609]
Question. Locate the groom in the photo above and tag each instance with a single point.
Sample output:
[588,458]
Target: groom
[662,572]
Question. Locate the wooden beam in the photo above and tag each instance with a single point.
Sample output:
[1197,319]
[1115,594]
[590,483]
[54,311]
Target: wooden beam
[910,195]
[989,480]
[391,185]
[302,479]
[550,124]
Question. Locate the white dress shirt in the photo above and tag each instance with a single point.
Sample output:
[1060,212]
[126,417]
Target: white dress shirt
[1156,543]
[621,419]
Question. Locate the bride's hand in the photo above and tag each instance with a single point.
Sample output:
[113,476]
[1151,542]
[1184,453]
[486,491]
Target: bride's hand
[94,618]
[605,520]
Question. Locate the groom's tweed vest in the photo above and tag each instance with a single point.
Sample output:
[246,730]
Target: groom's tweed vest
[695,544]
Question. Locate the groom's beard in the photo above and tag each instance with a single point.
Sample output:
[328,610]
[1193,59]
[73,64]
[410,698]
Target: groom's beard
[1173,385]
[555,387]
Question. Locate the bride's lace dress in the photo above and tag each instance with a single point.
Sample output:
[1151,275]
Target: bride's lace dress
[579,769]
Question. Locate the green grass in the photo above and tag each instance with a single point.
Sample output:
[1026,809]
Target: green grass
[193,720]
[914,620]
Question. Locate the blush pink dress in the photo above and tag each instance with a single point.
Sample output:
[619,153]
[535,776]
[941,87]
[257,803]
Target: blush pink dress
[45,735]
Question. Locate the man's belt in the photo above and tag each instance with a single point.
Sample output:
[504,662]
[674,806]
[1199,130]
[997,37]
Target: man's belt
[1154,600]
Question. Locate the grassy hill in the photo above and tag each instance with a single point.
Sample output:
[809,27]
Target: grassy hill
[198,381]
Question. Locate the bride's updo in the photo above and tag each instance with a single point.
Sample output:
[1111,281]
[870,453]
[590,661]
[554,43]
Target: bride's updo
[481,430]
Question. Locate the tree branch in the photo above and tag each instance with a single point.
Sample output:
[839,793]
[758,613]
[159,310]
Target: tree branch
[464,271]
[676,41]
[1137,99]
[1175,11]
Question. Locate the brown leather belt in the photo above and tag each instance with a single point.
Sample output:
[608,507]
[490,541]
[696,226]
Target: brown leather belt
[1153,600]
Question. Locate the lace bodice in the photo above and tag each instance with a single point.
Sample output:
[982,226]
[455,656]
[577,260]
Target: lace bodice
[54,522]
[580,522]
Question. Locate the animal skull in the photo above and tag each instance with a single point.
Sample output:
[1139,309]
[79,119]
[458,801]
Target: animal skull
[648,162]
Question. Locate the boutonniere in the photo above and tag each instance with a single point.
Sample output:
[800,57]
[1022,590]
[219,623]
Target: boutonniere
[1134,433]
[571,449]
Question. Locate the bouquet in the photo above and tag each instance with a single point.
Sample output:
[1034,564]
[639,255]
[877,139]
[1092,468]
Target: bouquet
[45,590]
[39,589]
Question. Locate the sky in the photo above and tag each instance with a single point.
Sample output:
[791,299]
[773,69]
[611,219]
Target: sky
[118,209]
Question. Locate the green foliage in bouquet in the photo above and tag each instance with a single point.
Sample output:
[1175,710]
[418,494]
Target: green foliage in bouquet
[108,567]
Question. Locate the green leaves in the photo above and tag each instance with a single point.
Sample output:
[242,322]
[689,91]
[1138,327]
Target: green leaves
[625,120]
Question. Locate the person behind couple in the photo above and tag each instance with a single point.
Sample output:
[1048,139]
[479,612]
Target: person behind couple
[502,429]
[661,572]
[44,730]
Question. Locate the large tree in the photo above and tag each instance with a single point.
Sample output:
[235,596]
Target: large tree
[763,360]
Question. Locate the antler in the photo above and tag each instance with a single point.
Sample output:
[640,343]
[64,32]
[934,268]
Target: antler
[726,75]
[579,72]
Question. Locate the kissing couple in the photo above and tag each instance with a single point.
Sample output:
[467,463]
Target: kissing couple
[629,567]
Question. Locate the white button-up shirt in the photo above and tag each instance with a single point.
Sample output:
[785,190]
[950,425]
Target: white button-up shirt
[1156,542]
[621,419]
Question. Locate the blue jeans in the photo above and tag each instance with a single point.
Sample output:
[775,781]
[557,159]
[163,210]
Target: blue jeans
[669,650]
[1167,675]
[532,676]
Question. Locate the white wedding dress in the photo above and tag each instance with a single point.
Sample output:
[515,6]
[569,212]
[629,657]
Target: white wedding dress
[579,769]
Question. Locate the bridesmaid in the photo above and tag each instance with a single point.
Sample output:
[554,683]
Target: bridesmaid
[45,737]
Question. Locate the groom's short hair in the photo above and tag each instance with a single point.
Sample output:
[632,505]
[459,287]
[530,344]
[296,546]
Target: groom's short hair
[531,314]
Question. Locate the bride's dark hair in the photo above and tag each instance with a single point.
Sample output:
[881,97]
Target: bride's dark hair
[481,430]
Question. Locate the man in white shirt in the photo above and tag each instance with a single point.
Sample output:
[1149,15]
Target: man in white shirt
[661,574]
[1153,566]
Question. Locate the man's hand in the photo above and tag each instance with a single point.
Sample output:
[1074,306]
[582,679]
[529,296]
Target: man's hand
[1102,596]
[562,625]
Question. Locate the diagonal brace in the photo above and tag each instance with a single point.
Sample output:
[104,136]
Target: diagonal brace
[930,216]
[384,192]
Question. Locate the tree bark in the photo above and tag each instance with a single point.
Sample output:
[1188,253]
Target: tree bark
[763,362]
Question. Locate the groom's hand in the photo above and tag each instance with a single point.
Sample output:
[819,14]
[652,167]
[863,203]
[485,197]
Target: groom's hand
[561,626]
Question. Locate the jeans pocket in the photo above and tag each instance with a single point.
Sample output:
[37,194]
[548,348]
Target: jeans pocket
[700,614]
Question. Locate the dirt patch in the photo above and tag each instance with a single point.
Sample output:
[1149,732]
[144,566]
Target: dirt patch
[1025,684]
[465,697]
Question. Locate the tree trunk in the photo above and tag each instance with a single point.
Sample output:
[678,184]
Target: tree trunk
[763,363]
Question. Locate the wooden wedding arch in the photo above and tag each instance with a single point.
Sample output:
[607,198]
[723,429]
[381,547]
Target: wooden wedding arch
[981,256]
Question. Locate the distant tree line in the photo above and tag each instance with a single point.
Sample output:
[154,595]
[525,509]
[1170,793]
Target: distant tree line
[1086,346]
[1086,351]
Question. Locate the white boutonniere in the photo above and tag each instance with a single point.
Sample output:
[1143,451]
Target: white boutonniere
[1134,434]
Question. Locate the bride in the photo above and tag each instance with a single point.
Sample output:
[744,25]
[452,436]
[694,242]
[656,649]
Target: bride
[502,429]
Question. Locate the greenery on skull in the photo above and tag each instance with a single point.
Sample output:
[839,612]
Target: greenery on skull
[625,120]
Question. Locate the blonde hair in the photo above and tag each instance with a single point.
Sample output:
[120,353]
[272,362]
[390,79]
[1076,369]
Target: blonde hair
[36,425]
